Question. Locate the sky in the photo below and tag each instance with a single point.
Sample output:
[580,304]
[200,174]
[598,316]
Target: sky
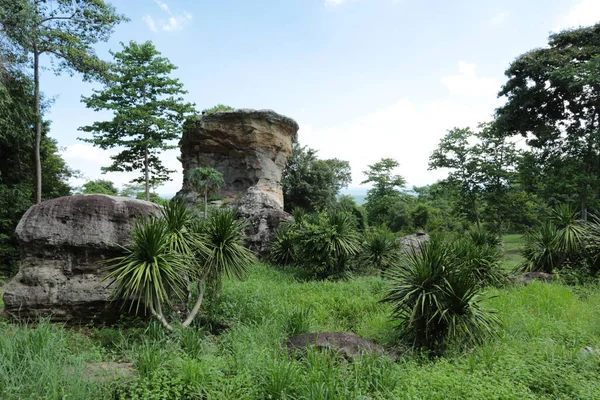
[364,79]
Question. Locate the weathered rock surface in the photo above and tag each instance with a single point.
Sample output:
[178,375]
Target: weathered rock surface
[64,244]
[535,276]
[412,241]
[250,148]
[348,345]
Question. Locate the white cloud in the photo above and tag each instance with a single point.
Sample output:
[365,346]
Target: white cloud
[163,6]
[176,22]
[585,12]
[404,131]
[499,18]
[150,22]
[89,160]
[171,22]
[467,83]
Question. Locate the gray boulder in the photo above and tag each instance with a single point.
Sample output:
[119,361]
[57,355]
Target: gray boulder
[64,245]
[347,345]
[413,241]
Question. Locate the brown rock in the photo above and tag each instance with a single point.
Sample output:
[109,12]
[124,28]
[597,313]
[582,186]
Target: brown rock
[64,245]
[535,276]
[250,148]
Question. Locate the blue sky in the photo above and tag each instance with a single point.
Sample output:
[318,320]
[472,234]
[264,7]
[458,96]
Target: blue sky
[365,79]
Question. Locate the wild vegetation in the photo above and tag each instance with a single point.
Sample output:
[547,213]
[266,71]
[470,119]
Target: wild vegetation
[452,311]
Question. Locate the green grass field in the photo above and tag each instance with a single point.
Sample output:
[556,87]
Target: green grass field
[512,257]
[537,355]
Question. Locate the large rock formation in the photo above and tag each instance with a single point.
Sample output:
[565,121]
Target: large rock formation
[250,148]
[64,243]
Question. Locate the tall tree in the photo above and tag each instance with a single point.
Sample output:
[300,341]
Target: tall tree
[482,165]
[148,112]
[553,99]
[65,30]
[311,183]
[385,204]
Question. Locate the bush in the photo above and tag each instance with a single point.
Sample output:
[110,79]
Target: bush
[380,251]
[482,261]
[434,300]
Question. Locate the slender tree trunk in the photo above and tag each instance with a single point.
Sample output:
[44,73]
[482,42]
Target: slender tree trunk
[146,173]
[160,317]
[196,308]
[38,125]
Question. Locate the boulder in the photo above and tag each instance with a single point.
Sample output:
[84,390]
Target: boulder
[412,241]
[64,245]
[347,345]
[535,276]
[250,148]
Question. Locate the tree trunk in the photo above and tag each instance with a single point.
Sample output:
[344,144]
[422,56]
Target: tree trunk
[160,317]
[196,308]
[38,126]
[146,173]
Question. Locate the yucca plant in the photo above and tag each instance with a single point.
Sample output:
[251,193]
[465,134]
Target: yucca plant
[435,300]
[541,251]
[481,260]
[571,233]
[380,251]
[480,237]
[284,250]
[149,273]
[327,242]
[226,255]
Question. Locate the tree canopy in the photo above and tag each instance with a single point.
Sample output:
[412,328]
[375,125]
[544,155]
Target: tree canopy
[148,112]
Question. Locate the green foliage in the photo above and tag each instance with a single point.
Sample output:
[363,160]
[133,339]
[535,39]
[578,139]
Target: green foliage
[148,112]
[296,322]
[284,249]
[99,186]
[435,299]
[545,327]
[550,98]
[217,108]
[482,168]
[205,180]
[380,251]
[327,245]
[148,273]
[480,260]
[385,204]
[557,242]
[65,31]
[541,249]
[311,183]
[482,238]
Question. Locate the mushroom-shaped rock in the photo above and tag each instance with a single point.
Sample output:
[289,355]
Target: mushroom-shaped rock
[64,245]
[250,148]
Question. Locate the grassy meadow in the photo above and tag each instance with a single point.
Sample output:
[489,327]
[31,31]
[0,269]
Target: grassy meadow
[537,355]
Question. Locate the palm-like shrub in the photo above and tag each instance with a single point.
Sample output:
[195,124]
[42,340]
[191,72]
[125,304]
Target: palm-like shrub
[435,300]
[284,250]
[380,251]
[149,272]
[479,259]
[541,250]
[327,243]
[226,255]
[168,252]
[482,238]
[571,231]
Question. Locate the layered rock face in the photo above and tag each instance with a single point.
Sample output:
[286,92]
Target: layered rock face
[64,244]
[250,148]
